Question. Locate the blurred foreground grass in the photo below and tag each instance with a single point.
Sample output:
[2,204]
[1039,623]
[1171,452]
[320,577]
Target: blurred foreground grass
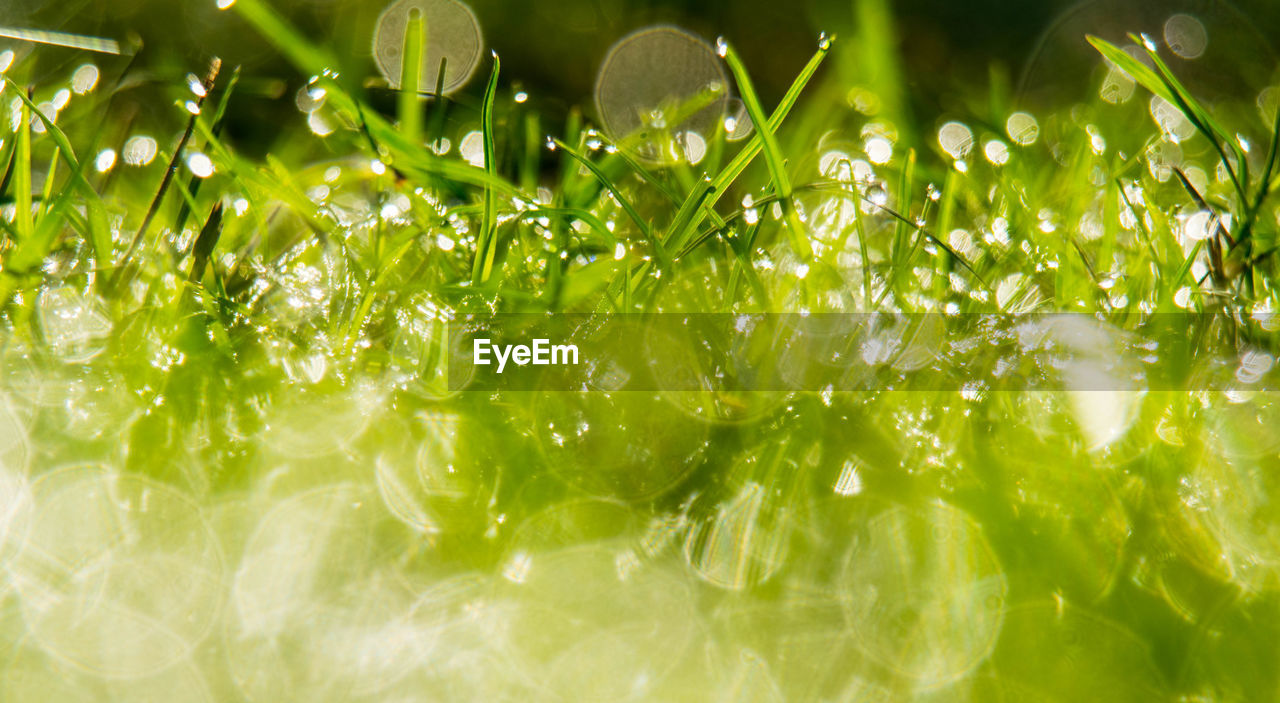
[231,468]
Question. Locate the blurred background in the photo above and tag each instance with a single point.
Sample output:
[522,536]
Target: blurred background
[948,51]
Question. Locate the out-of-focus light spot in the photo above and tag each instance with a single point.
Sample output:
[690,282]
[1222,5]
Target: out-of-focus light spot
[1199,226]
[60,100]
[997,152]
[1023,128]
[49,111]
[105,161]
[225,4]
[1170,119]
[522,97]
[879,150]
[192,107]
[452,36]
[1186,36]
[1117,87]
[196,86]
[241,206]
[956,139]
[200,165]
[695,147]
[619,251]
[319,125]
[139,151]
[85,79]
[377,167]
[6,60]
[444,243]
[472,149]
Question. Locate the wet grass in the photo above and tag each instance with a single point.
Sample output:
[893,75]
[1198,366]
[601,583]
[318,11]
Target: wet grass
[261,351]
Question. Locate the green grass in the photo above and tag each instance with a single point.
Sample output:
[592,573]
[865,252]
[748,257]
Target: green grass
[262,353]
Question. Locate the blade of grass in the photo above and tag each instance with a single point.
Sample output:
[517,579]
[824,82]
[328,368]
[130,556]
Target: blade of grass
[169,174]
[697,204]
[772,152]
[275,29]
[22,176]
[609,185]
[487,245]
[1165,85]
[408,108]
[219,117]
[205,244]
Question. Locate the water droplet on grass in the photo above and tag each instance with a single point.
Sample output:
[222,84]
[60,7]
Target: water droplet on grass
[650,83]
[453,36]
